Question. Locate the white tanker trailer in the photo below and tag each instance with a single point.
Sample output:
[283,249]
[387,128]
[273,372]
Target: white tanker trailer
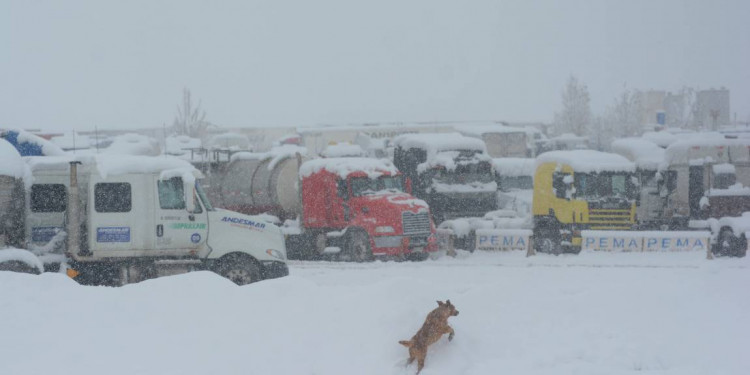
[258,183]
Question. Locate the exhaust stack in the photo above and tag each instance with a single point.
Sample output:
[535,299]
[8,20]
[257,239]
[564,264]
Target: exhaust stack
[74,223]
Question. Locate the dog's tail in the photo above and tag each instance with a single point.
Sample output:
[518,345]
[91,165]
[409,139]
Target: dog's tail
[406,343]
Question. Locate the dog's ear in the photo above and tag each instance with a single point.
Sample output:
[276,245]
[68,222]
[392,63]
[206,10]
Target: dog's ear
[448,302]
[440,303]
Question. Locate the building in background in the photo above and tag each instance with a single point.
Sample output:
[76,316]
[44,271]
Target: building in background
[651,103]
[712,108]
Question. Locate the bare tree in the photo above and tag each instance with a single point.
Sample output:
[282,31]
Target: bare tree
[625,114]
[575,116]
[190,121]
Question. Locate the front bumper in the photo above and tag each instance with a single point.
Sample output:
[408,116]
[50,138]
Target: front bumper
[272,269]
[404,245]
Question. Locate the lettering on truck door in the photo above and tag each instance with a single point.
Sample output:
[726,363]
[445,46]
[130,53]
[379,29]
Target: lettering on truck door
[176,228]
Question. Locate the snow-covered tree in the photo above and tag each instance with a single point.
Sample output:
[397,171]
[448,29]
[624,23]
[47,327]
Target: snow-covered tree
[575,116]
[190,121]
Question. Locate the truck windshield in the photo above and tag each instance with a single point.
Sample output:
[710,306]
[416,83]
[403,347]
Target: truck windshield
[365,185]
[465,173]
[203,197]
[605,185]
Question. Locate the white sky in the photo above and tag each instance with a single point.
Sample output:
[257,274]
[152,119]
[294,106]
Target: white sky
[123,64]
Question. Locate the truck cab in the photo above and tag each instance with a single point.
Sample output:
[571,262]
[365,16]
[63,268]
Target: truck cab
[453,173]
[142,217]
[581,190]
[362,206]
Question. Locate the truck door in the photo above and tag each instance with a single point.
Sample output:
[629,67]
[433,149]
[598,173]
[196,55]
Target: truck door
[175,226]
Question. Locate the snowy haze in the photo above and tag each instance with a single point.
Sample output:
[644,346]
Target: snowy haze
[114,64]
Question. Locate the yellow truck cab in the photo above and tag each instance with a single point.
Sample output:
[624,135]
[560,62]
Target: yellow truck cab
[581,190]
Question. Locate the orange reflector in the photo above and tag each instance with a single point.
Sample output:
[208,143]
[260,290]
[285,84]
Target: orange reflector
[72,273]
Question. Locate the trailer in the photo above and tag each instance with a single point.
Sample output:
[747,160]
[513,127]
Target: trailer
[706,178]
[502,141]
[116,220]
[453,173]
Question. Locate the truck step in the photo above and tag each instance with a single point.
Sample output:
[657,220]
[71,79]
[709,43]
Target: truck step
[176,262]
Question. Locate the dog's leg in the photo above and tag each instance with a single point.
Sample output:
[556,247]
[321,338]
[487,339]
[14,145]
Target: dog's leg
[450,332]
[420,364]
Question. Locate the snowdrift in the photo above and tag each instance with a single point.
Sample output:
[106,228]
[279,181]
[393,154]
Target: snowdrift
[590,314]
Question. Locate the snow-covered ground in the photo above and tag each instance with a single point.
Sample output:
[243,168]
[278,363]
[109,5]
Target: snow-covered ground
[595,313]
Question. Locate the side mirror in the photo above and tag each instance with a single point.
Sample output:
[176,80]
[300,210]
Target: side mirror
[407,184]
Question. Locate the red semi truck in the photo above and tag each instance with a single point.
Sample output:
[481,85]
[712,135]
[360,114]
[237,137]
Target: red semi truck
[346,208]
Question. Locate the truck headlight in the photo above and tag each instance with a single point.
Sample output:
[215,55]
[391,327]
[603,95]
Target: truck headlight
[275,253]
[384,229]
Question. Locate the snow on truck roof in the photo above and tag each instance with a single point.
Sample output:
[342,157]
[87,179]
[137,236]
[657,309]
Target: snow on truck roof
[644,153]
[588,161]
[112,165]
[344,166]
[436,142]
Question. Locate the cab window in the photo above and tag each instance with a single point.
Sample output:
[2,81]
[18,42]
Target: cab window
[171,194]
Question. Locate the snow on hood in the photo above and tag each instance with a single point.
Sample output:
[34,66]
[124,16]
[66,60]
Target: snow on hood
[588,161]
[399,198]
[514,167]
[11,162]
[374,168]
[644,153]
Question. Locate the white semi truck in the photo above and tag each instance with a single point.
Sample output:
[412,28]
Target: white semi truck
[130,218]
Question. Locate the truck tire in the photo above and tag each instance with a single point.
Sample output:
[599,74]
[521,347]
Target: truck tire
[18,266]
[239,270]
[730,245]
[358,246]
[547,240]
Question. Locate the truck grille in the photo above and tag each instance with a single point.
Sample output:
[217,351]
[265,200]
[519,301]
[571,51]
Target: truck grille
[610,219]
[415,223]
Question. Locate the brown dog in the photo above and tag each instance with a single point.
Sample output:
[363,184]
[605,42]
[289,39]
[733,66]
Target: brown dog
[434,327]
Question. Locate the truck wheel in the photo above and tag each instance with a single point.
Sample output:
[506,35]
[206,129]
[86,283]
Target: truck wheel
[358,247]
[18,266]
[240,271]
[548,241]
[726,243]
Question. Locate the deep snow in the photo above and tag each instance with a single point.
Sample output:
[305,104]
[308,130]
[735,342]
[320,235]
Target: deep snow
[596,313]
